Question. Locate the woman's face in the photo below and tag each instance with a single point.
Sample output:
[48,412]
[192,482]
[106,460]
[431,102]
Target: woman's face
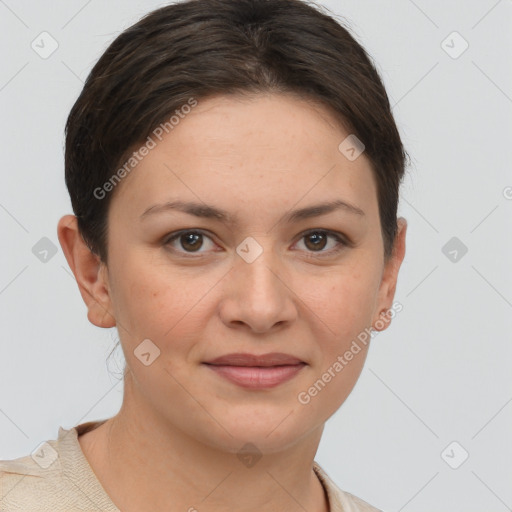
[252,281]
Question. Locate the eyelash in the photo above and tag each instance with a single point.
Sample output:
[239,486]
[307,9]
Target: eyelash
[342,242]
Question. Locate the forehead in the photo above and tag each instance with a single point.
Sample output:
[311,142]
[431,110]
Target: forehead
[261,150]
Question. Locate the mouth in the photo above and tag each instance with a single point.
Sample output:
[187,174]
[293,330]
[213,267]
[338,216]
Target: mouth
[263,360]
[256,371]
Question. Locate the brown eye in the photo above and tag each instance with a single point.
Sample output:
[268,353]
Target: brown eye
[189,241]
[317,240]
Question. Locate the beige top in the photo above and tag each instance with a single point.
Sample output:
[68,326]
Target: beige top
[58,478]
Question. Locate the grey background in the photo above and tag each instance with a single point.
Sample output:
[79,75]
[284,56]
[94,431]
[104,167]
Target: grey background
[440,373]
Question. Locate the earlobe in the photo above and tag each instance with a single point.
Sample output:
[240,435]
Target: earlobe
[389,278]
[90,273]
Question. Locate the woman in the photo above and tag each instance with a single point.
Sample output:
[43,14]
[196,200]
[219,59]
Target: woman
[234,171]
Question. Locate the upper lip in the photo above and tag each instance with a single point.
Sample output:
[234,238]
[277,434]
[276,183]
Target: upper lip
[245,359]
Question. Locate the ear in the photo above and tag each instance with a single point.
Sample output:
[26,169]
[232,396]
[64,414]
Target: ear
[90,273]
[387,288]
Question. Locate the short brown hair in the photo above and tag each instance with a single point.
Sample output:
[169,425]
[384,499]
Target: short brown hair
[201,48]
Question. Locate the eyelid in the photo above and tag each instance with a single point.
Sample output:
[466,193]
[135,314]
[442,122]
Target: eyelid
[342,240]
[175,235]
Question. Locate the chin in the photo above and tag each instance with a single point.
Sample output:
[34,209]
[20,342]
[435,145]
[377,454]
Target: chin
[266,436]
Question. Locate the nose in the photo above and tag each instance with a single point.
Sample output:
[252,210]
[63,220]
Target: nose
[258,293]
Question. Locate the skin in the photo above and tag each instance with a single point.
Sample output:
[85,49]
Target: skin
[174,442]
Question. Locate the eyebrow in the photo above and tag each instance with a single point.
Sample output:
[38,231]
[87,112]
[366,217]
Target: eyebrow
[211,212]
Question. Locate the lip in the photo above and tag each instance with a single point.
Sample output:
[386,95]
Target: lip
[257,371]
[245,359]
[257,377]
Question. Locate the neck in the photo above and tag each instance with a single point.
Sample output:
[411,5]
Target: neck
[145,463]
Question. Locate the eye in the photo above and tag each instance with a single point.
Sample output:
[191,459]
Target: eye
[191,240]
[317,240]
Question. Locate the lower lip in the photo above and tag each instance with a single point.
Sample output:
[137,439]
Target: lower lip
[257,377]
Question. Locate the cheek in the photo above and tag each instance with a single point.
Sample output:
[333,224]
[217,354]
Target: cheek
[344,309]
[169,308]
[146,303]
[345,303]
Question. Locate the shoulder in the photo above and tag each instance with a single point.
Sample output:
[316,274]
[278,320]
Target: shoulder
[21,481]
[357,504]
[55,477]
[35,481]
[41,462]
[340,500]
